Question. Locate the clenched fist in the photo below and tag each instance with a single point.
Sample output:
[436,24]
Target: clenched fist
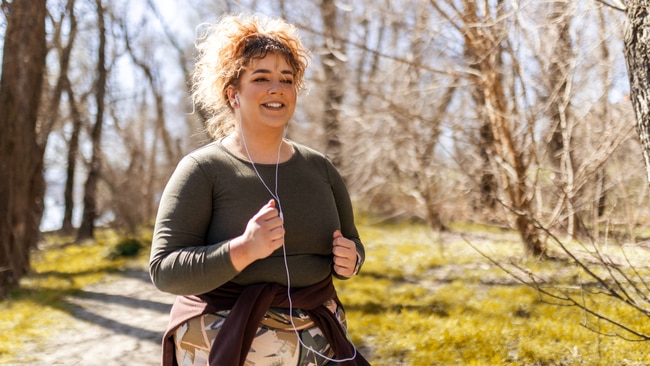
[345,255]
[263,235]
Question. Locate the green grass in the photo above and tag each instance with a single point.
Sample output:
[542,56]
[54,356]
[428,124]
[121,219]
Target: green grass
[420,299]
[59,269]
[423,299]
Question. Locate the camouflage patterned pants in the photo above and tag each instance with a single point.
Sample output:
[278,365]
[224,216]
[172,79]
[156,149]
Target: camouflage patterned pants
[276,342]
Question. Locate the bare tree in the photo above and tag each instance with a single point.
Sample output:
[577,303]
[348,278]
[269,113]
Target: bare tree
[21,158]
[86,230]
[558,83]
[127,183]
[607,272]
[508,145]
[637,55]
[332,61]
[420,117]
[143,201]
[582,137]
[63,86]
[64,52]
[78,122]
[153,79]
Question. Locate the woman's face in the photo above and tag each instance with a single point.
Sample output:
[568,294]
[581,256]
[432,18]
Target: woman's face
[267,94]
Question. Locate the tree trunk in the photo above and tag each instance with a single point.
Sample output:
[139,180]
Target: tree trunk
[333,68]
[21,159]
[67,226]
[63,86]
[637,56]
[600,183]
[488,184]
[503,148]
[558,74]
[560,147]
[87,228]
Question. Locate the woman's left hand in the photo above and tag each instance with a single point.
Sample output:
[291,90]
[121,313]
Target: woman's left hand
[345,255]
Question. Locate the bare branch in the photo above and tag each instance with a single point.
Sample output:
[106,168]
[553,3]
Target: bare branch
[614,4]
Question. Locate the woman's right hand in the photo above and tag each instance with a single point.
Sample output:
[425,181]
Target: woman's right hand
[263,235]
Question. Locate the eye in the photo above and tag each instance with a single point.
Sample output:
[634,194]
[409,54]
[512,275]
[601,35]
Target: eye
[287,81]
[260,79]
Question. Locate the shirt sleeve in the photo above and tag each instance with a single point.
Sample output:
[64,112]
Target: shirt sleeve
[181,261]
[345,211]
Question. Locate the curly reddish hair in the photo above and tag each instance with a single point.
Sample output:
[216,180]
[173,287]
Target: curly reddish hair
[226,48]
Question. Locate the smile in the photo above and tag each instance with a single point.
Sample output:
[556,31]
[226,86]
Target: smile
[274,105]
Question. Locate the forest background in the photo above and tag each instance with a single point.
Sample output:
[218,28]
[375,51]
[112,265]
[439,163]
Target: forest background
[514,114]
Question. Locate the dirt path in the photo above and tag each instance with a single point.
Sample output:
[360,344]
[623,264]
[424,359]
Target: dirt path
[118,321]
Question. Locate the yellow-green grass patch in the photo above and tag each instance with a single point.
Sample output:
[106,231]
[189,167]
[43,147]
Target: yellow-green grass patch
[424,299]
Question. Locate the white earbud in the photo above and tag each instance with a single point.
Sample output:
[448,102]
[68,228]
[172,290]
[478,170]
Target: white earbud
[236,100]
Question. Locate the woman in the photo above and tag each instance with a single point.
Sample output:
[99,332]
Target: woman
[252,227]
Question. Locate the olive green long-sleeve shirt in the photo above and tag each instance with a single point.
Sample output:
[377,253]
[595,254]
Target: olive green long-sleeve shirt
[210,198]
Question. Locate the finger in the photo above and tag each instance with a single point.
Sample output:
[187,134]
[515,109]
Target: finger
[342,262]
[277,237]
[343,251]
[342,271]
[344,245]
[340,266]
[337,235]
[268,211]
[269,205]
[278,231]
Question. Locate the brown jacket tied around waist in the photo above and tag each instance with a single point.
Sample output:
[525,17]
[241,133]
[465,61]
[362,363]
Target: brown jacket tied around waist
[247,305]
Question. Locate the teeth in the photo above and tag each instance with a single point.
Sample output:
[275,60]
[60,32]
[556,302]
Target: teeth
[274,105]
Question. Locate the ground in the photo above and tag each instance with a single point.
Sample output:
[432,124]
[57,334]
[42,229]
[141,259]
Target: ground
[118,321]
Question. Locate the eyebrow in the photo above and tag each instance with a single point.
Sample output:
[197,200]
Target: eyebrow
[265,71]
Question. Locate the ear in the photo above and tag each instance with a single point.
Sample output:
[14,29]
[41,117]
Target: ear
[232,96]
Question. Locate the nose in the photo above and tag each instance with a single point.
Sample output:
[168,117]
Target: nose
[276,87]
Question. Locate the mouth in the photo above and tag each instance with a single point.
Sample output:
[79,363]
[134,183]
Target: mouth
[273,105]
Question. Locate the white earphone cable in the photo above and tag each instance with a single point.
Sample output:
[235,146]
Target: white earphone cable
[276,196]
